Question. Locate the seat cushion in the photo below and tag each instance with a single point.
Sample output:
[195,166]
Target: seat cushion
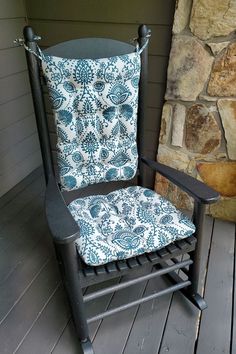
[126,223]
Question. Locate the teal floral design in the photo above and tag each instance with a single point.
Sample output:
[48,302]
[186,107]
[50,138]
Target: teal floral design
[56,98]
[99,86]
[125,223]
[70,181]
[83,73]
[65,117]
[118,94]
[90,143]
[119,159]
[69,86]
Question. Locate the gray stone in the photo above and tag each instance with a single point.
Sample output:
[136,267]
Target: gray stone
[207,98]
[173,158]
[212,18]
[182,13]
[220,175]
[216,48]
[224,209]
[227,110]
[178,125]
[202,132]
[165,123]
[223,76]
[189,68]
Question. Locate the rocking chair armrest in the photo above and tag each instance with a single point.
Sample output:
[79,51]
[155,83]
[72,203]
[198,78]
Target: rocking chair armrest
[61,223]
[197,189]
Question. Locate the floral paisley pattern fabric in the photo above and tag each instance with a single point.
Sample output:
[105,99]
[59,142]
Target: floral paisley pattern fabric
[126,223]
[95,107]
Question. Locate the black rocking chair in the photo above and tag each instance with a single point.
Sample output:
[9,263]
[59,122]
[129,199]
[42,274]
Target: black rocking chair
[65,231]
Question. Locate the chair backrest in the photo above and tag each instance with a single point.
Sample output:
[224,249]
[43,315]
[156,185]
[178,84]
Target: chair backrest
[92,48]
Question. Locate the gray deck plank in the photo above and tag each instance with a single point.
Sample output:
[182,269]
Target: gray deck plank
[31,234]
[216,320]
[26,311]
[113,332]
[46,330]
[68,342]
[13,230]
[18,191]
[99,305]
[146,333]
[14,219]
[15,209]
[182,323]
[22,277]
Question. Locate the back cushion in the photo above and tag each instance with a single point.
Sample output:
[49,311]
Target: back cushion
[95,105]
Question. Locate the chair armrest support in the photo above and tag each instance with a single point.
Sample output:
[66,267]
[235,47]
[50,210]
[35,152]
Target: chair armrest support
[197,189]
[61,223]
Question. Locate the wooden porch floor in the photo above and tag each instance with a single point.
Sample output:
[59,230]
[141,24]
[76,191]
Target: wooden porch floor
[34,315]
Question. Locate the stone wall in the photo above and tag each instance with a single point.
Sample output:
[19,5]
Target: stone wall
[198,132]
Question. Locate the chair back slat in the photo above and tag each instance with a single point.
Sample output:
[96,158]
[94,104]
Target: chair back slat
[90,48]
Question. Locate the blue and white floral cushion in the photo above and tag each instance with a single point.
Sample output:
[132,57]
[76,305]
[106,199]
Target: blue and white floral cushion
[126,223]
[95,107]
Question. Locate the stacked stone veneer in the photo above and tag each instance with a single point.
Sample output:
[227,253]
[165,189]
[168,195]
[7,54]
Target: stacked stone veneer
[198,131]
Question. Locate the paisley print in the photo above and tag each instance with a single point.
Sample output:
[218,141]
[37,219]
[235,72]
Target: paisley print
[119,159]
[126,240]
[95,107]
[56,98]
[63,166]
[90,144]
[70,181]
[109,113]
[127,111]
[99,86]
[118,94]
[83,73]
[126,223]
[69,86]
[65,117]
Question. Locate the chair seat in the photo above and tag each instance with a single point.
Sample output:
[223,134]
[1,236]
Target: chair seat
[126,223]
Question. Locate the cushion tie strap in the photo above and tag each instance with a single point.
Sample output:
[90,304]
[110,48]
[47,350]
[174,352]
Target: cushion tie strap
[39,54]
[139,50]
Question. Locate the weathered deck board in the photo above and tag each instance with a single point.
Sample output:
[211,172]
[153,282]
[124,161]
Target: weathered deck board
[25,312]
[68,341]
[216,319]
[114,330]
[16,206]
[182,321]
[46,330]
[146,333]
[22,277]
[16,193]
[34,315]
[28,237]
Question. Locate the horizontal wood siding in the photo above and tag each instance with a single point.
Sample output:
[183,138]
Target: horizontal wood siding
[19,146]
[107,11]
[56,21]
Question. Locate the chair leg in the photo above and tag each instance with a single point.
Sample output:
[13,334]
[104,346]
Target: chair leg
[194,269]
[86,347]
[69,257]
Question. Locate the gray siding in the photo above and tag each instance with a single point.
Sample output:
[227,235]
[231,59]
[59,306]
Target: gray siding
[19,147]
[59,20]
